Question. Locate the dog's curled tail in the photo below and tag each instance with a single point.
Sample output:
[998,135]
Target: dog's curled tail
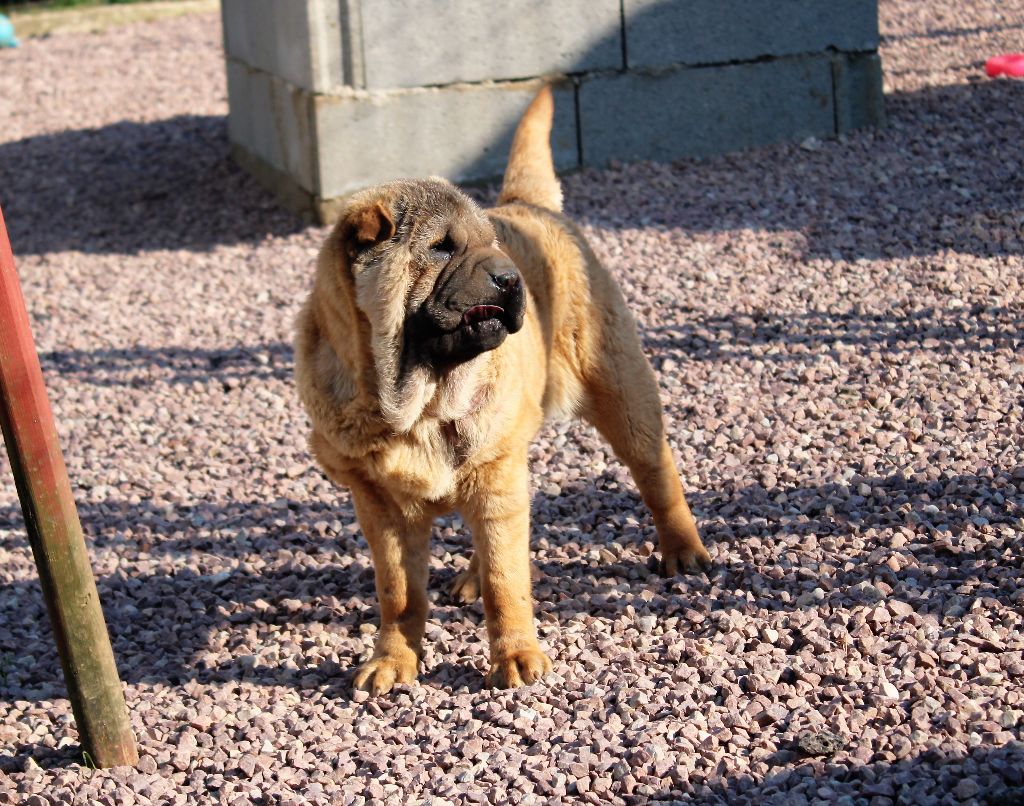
[530,175]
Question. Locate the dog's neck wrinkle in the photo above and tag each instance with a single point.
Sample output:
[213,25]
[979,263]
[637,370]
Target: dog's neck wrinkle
[458,442]
[452,402]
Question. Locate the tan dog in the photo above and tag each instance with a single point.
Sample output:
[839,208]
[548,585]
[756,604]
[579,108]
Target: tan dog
[435,341]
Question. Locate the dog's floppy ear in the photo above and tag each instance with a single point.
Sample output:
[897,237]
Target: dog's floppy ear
[367,226]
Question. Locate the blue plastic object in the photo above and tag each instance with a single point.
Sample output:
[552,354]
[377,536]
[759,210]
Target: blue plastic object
[7,37]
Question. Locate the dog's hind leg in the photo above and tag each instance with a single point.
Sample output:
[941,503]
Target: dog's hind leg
[400,549]
[465,588]
[621,401]
[466,585]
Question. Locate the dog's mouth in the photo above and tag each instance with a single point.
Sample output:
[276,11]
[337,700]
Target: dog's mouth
[482,327]
[482,316]
[478,329]
[458,323]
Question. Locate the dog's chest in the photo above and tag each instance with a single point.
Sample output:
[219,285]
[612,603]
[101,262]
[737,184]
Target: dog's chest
[427,464]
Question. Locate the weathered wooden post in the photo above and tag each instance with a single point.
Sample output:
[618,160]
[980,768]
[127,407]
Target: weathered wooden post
[55,533]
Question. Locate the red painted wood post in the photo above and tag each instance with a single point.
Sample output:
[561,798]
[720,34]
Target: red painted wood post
[55,533]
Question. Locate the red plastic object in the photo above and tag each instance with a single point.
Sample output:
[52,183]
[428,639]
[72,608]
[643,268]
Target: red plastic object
[1008,64]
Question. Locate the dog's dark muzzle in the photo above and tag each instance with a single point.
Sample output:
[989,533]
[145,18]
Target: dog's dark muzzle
[473,308]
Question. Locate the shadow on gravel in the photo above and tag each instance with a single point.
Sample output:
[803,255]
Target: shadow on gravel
[131,187]
[141,366]
[988,776]
[166,620]
[879,193]
[704,338]
[943,33]
[13,760]
[171,184]
[871,509]
[933,777]
[954,330]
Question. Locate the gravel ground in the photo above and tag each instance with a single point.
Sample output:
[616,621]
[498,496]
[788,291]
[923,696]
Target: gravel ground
[838,332]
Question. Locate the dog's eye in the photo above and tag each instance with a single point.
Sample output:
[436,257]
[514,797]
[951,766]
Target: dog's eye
[443,249]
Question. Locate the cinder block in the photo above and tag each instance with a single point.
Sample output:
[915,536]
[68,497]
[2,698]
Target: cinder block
[412,43]
[706,110]
[297,40]
[857,78]
[462,132]
[660,33]
[329,96]
[272,119]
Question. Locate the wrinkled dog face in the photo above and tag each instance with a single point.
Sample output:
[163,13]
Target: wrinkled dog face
[439,276]
[432,282]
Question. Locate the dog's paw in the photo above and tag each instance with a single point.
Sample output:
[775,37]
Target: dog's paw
[378,675]
[689,560]
[466,586]
[519,667]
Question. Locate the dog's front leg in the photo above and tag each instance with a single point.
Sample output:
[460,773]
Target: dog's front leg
[400,550]
[497,509]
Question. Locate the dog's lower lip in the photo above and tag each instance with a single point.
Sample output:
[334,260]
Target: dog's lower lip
[479,313]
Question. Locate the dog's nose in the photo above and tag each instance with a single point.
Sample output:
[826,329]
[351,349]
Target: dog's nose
[506,280]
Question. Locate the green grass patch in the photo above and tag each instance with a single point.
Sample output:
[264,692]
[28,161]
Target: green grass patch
[28,6]
[45,17]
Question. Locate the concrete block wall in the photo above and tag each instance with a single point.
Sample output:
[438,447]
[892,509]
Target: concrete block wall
[329,96]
